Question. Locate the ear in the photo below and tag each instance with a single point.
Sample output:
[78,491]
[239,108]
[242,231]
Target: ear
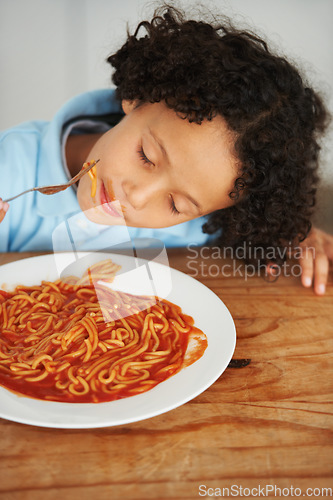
[128,106]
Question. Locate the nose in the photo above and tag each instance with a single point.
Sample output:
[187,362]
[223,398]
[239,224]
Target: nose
[143,193]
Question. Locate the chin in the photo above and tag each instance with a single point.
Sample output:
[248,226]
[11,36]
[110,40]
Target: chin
[96,214]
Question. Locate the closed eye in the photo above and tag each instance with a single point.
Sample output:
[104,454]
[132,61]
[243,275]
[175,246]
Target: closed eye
[173,206]
[143,157]
[147,161]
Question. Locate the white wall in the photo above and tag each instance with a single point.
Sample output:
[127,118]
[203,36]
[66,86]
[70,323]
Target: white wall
[50,50]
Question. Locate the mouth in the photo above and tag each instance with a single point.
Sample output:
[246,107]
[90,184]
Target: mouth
[109,203]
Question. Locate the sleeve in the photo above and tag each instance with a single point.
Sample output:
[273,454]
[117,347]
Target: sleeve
[18,153]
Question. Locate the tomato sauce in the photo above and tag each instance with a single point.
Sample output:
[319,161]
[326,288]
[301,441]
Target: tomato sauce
[19,339]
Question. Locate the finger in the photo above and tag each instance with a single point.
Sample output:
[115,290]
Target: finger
[272,268]
[306,263]
[328,247]
[321,273]
[272,272]
[3,209]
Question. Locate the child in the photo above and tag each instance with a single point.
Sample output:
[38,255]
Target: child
[207,128]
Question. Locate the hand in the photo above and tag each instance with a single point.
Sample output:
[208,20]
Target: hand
[3,209]
[317,252]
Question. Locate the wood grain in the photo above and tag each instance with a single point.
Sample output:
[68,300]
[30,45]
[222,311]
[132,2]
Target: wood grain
[268,423]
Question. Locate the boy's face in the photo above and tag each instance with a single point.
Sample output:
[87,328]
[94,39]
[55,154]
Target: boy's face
[157,169]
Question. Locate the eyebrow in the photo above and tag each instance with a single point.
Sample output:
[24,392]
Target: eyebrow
[166,156]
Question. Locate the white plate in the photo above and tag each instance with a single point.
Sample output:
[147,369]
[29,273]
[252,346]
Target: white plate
[196,300]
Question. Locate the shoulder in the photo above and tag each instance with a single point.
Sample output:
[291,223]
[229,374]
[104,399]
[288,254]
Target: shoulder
[94,102]
[19,148]
[30,129]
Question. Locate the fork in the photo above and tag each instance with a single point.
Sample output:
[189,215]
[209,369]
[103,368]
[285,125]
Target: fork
[52,189]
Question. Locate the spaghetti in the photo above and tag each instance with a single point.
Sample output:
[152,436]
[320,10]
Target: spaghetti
[93,177]
[80,341]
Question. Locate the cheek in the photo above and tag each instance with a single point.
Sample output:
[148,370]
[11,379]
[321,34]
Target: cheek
[84,193]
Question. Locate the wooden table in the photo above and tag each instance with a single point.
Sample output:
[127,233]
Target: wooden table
[266,424]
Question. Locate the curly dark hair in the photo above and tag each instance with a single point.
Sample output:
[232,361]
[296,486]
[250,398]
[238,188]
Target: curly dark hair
[200,70]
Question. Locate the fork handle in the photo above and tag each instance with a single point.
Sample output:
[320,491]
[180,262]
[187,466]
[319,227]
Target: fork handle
[20,194]
[58,187]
